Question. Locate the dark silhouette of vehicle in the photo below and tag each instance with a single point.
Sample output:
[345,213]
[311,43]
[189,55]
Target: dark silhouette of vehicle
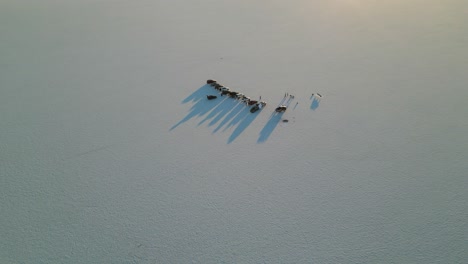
[257,107]
[281,108]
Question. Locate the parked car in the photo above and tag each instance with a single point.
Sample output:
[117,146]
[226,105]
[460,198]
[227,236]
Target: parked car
[281,108]
[257,107]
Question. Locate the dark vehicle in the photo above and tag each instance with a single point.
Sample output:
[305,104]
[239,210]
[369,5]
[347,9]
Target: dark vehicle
[210,81]
[211,97]
[240,96]
[257,107]
[254,109]
[281,108]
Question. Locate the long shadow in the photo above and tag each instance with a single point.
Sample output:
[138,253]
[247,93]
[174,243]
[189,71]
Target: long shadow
[269,127]
[247,119]
[199,94]
[275,118]
[230,115]
[315,104]
[219,111]
[200,108]
[239,117]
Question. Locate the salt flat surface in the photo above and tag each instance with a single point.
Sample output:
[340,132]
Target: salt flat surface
[110,153]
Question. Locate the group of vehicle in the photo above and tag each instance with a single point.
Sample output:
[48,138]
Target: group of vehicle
[256,105]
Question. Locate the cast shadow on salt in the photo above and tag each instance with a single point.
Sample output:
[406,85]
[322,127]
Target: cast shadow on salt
[269,127]
[315,104]
[227,116]
[224,112]
[243,120]
[221,110]
[231,115]
[200,108]
[198,94]
[274,120]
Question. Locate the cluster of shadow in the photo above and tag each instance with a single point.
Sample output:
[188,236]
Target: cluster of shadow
[315,102]
[221,114]
[225,113]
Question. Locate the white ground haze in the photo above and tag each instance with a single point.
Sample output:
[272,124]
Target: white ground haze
[110,153]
